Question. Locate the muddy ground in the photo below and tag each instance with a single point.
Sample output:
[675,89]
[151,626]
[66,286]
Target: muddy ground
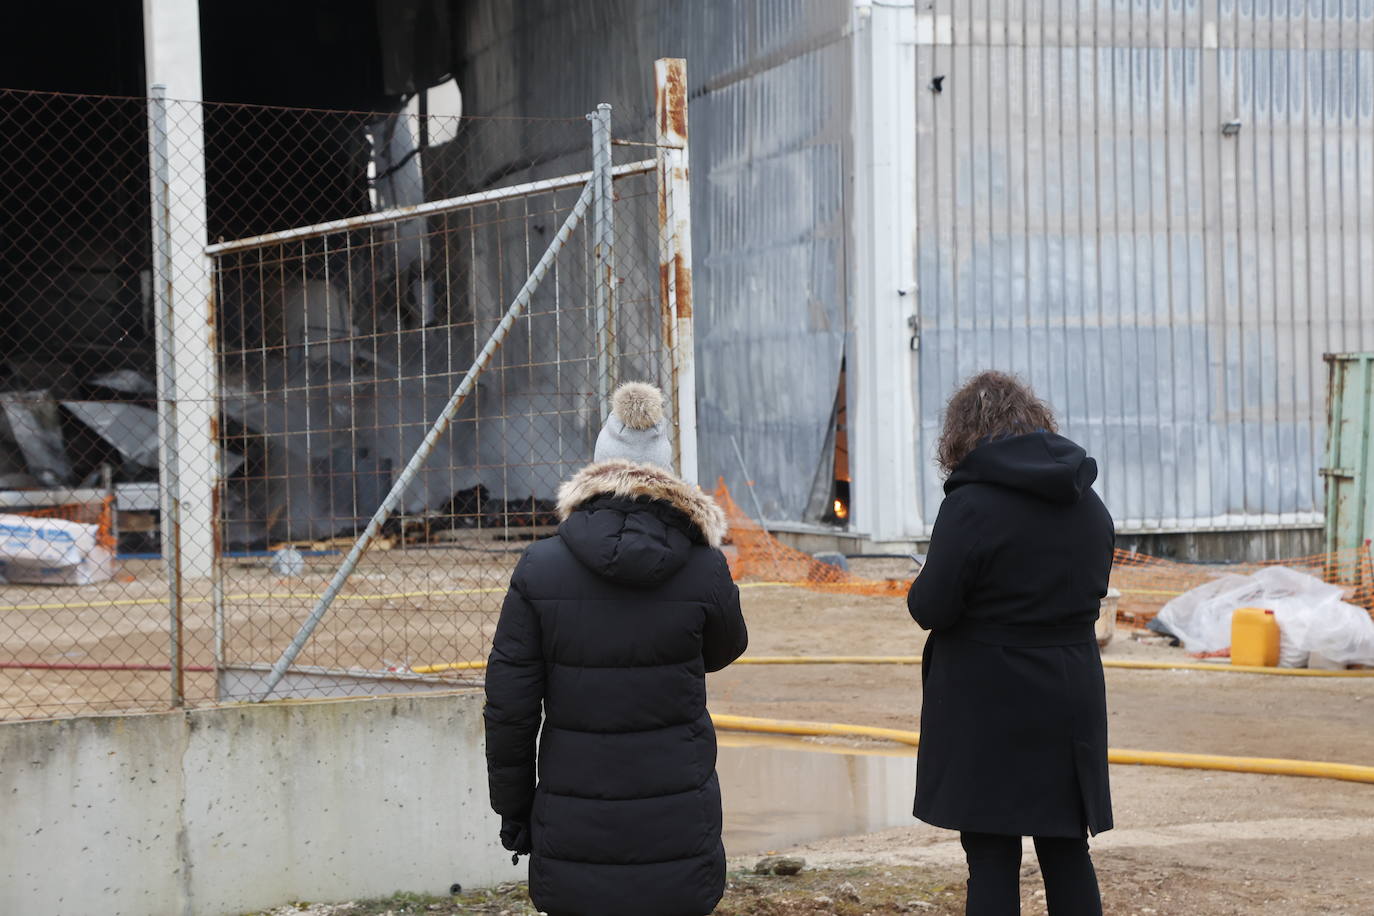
[1186,842]
[1195,711]
[400,609]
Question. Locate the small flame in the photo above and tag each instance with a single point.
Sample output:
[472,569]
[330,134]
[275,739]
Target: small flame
[841,510]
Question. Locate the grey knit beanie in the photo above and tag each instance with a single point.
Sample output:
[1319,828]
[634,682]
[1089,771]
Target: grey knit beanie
[636,429]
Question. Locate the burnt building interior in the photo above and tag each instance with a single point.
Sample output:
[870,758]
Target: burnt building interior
[304,138]
[306,121]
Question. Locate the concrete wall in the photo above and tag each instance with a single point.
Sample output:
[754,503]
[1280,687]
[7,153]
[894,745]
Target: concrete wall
[222,811]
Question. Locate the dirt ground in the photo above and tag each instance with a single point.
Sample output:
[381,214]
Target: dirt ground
[1186,842]
[400,609]
[1195,711]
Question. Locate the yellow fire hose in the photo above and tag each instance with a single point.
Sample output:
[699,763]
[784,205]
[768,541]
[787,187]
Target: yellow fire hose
[1129,663]
[1276,766]
[1126,663]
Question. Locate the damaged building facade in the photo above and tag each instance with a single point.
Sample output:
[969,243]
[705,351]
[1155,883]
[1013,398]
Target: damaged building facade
[1148,213]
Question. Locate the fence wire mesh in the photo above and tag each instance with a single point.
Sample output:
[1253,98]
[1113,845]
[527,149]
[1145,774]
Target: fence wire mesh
[356,265]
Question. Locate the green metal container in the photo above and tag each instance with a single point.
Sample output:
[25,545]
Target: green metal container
[1349,467]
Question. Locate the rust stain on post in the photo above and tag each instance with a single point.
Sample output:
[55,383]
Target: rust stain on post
[664,286]
[215,528]
[683,272]
[671,103]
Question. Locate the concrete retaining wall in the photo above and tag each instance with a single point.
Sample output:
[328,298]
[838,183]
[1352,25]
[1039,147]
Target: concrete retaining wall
[223,811]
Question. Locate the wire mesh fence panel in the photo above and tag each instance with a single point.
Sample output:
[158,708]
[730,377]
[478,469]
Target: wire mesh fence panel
[243,409]
[343,345]
[79,631]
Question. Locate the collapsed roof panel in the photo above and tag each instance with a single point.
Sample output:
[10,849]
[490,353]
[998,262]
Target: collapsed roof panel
[32,423]
[131,429]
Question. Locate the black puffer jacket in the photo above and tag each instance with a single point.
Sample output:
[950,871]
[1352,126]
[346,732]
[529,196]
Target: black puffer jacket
[1014,709]
[611,626]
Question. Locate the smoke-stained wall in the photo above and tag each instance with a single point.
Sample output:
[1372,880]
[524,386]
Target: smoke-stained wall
[770,127]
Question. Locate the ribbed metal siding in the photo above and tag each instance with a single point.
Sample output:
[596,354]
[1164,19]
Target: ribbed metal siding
[1083,222]
[770,140]
[770,121]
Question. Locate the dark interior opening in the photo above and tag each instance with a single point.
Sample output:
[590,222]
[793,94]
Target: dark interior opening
[840,492]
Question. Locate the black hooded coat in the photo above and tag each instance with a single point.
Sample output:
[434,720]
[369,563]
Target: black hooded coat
[610,626]
[1014,709]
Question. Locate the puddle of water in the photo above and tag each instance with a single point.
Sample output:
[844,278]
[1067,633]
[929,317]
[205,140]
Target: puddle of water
[779,792]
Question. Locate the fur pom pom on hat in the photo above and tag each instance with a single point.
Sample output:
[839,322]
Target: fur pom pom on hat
[638,405]
[636,430]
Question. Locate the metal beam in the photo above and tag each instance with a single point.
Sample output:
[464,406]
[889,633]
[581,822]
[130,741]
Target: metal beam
[432,208]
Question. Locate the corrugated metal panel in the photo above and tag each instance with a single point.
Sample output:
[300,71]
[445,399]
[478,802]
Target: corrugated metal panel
[771,135]
[1084,222]
[770,127]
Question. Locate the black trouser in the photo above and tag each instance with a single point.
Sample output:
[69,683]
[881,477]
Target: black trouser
[994,875]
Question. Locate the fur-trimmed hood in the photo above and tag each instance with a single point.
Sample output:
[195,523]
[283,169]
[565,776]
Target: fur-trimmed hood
[630,480]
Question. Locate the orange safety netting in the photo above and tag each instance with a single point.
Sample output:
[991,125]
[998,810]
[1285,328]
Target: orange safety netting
[756,554]
[1146,583]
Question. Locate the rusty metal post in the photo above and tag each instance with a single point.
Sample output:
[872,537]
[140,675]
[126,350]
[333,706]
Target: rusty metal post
[603,256]
[675,253]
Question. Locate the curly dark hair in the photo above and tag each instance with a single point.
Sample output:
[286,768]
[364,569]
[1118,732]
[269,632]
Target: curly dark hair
[990,405]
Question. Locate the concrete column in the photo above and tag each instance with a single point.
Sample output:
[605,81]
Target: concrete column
[882,364]
[187,377]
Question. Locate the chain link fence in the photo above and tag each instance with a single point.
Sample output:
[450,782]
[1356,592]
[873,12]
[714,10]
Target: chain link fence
[284,425]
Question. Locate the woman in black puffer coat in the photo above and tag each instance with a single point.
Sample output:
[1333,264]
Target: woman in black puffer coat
[611,626]
[1014,709]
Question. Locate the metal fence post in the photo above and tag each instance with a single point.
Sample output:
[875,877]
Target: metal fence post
[170,502]
[675,252]
[603,254]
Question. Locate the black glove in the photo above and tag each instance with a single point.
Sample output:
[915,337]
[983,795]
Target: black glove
[515,836]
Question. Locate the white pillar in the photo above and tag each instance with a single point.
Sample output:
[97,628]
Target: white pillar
[882,365]
[182,281]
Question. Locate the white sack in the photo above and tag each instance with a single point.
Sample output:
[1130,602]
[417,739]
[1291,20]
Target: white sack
[52,551]
[44,541]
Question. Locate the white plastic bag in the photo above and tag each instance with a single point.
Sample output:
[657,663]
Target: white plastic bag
[1201,617]
[1309,612]
[1342,633]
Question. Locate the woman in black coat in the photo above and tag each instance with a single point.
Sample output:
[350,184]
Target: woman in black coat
[1014,712]
[611,626]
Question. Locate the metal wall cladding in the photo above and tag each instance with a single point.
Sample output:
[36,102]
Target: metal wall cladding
[1084,221]
[770,85]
